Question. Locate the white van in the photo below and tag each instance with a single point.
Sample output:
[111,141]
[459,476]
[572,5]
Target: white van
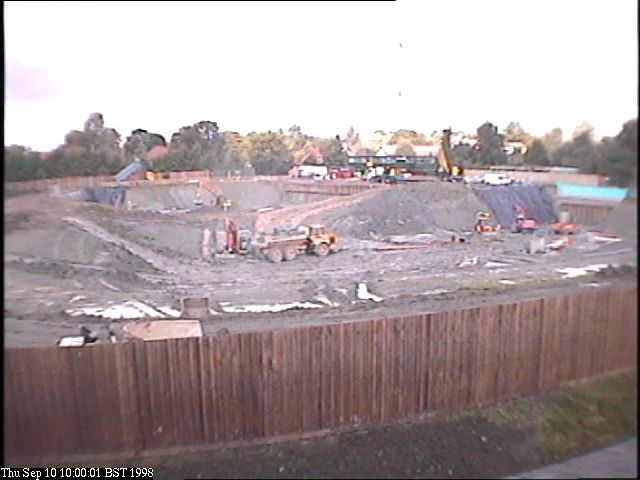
[317,172]
[496,179]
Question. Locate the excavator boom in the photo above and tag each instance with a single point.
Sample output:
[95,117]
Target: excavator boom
[445,157]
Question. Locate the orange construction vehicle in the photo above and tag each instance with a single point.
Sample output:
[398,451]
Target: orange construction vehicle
[312,151]
[564,225]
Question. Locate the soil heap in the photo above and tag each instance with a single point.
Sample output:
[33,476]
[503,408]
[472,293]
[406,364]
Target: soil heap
[622,219]
[406,210]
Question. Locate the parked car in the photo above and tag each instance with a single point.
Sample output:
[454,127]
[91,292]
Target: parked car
[496,179]
[341,173]
[473,179]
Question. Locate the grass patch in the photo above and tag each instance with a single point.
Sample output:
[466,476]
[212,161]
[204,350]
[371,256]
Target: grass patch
[575,418]
[591,414]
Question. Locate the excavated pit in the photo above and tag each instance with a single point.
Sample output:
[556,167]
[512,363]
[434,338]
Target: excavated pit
[62,254]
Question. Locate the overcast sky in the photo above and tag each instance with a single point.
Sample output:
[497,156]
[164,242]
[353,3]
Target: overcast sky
[325,66]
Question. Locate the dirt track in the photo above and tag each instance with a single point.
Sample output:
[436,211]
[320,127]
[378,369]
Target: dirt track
[101,255]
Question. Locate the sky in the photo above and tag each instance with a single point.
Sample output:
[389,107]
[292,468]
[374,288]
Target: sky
[421,65]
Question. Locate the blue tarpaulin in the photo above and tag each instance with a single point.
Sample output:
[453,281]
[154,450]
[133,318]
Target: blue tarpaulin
[502,201]
[129,170]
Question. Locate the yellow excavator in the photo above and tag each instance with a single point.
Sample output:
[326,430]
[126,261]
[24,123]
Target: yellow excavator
[218,198]
[448,170]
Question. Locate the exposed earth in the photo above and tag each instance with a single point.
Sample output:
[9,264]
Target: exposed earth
[63,254]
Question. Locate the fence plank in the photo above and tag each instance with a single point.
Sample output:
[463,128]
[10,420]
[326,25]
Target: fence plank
[142,396]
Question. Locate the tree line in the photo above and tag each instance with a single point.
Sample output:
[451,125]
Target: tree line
[98,150]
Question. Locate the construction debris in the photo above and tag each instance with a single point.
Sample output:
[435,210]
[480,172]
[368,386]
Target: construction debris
[362,293]
[559,244]
[468,261]
[162,330]
[126,310]
[535,245]
[603,237]
[572,272]
[281,307]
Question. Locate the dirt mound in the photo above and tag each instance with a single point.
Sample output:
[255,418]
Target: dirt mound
[405,210]
[622,219]
[298,214]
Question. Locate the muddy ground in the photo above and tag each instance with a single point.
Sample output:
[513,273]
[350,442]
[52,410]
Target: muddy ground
[62,254]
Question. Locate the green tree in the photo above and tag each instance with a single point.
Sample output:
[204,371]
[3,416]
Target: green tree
[405,148]
[552,141]
[489,149]
[580,152]
[408,136]
[196,147]
[537,154]
[269,154]
[618,157]
[21,163]
[332,151]
[140,142]
[93,151]
[515,133]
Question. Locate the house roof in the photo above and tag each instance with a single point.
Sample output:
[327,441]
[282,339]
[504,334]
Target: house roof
[156,152]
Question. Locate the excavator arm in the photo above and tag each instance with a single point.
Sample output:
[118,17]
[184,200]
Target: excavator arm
[445,157]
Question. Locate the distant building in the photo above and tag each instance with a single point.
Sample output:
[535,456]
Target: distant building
[511,148]
[156,152]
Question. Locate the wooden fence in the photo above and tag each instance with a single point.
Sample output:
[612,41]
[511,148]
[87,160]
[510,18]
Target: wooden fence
[73,183]
[145,397]
[585,212]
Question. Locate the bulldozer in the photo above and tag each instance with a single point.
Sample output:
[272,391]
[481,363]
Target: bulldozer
[309,239]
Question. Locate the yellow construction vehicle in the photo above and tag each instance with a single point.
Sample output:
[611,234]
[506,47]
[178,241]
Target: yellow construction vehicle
[218,199]
[308,239]
[448,170]
[483,224]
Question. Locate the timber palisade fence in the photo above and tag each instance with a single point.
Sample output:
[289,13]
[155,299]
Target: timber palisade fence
[70,183]
[143,398]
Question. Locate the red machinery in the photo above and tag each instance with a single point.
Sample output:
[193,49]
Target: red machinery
[523,223]
[235,242]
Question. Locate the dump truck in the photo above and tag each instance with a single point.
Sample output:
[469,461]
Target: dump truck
[307,239]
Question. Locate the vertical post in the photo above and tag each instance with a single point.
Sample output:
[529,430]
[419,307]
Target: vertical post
[206,244]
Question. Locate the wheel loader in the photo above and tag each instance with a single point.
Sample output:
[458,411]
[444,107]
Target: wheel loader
[484,225]
[309,239]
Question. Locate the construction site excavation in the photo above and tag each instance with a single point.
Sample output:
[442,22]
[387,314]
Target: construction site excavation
[228,255]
